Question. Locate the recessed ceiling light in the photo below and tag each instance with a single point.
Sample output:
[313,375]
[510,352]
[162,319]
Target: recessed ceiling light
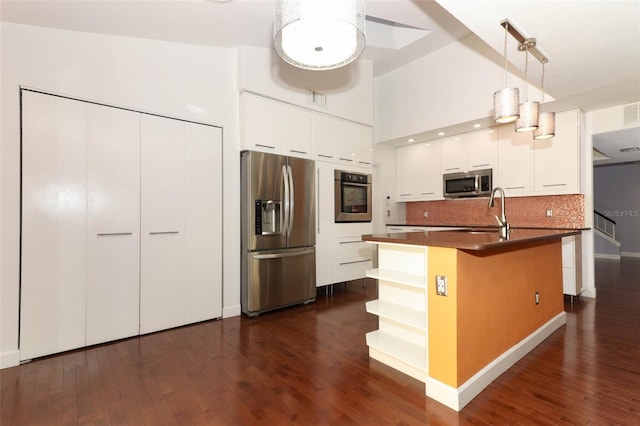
[476,126]
[411,140]
[441,134]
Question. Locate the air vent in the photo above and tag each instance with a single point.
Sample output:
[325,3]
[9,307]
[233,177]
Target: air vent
[317,98]
[630,149]
[632,115]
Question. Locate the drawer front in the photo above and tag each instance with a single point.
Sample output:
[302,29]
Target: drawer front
[352,269]
[355,247]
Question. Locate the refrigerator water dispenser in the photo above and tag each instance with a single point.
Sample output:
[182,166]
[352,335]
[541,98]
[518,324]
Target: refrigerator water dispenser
[267,217]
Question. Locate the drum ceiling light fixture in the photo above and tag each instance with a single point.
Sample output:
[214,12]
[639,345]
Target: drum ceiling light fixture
[319,34]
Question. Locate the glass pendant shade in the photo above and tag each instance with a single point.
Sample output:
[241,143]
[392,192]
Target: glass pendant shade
[528,120]
[546,126]
[319,34]
[506,105]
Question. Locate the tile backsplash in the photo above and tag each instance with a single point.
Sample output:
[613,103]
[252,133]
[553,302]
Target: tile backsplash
[566,211]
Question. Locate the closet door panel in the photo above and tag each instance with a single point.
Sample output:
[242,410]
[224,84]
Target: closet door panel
[113,269]
[203,222]
[162,241]
[54,225]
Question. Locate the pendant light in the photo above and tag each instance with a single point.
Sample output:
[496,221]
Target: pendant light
[319,34]
[528,120]
[546,120]
[505,101]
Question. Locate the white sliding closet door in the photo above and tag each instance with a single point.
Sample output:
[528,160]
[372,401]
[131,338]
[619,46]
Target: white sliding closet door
[203,207]
[54,225]
[113,241]
[162,274]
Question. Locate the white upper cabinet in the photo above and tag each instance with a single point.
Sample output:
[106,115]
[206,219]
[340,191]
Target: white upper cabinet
[482,150]
[515,161]
[418,175]
[271,126]
[557,160]
[341,141]
[453,152]
[470,151]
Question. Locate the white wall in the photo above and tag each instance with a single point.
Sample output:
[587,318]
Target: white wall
[177,80]
[348,90]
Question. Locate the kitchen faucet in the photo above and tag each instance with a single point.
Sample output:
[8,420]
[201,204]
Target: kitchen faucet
[502,220]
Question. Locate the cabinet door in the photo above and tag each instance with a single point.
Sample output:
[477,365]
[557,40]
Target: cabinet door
[113,240]
[557,160]
[453,154]
[203,222]
[362,140]
[516,160]
[430,177]
[325,226]
[295,130]
[482,150]
[54,225]
[260,123]
[325,138]
[409,161]
[162,224]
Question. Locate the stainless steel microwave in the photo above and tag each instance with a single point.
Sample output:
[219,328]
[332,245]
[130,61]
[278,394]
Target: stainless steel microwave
[352,197]
[467,184]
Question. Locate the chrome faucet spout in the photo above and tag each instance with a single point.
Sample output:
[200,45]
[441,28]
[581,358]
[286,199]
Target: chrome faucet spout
[502,220]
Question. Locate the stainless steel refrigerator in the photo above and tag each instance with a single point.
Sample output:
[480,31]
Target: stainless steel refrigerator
[278,231]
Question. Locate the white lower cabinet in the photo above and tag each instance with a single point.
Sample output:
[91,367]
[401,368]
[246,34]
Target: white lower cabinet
[105,256]
[402,337]
[572,265]
[341,255]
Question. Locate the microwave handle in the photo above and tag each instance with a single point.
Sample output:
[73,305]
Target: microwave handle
[477,181]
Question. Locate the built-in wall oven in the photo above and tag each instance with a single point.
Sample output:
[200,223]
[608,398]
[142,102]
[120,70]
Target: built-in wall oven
[352,196]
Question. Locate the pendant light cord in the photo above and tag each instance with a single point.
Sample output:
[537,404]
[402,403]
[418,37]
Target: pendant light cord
[526,73]
[506,30]
[542,88]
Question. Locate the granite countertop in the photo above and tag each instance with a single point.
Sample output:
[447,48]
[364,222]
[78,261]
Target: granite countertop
[471,238]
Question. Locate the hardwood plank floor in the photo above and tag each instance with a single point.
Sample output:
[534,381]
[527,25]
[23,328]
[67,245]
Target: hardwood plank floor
[309,365]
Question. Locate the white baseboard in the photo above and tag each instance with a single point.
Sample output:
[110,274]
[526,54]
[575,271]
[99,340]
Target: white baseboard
[590,292]
[606,256]
[456,399]
[629,254]
[231,311]
[9,359]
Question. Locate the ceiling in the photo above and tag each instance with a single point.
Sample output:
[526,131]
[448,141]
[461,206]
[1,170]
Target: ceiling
[593,46]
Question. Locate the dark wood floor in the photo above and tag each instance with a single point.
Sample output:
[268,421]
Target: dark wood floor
[309,365]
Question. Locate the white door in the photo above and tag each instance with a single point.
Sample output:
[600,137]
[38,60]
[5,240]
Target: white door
[54,225]
[203,222]
[162,266]
[113,241]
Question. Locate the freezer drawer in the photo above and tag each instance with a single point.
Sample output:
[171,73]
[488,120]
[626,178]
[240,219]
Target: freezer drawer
[278,278]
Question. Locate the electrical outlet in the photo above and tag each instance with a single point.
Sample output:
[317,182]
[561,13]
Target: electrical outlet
[537,297]
[441,285]
[425,214]
[549,213]
[388,213]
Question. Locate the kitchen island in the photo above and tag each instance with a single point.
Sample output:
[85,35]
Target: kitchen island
[457,308]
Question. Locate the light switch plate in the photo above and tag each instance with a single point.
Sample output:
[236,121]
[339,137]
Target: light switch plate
[441,285]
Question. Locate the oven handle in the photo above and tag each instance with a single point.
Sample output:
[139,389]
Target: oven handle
[364,185]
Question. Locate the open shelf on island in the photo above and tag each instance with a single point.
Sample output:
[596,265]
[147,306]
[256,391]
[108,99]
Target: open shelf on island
[398,313]
[411,280]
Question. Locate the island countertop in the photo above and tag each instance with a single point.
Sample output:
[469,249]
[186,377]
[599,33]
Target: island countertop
[470,238]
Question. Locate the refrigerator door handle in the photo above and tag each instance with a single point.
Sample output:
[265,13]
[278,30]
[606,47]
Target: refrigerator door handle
[292,200]
[288,254]
[285,222]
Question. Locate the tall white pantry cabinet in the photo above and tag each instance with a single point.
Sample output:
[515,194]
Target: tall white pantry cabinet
[121,224]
